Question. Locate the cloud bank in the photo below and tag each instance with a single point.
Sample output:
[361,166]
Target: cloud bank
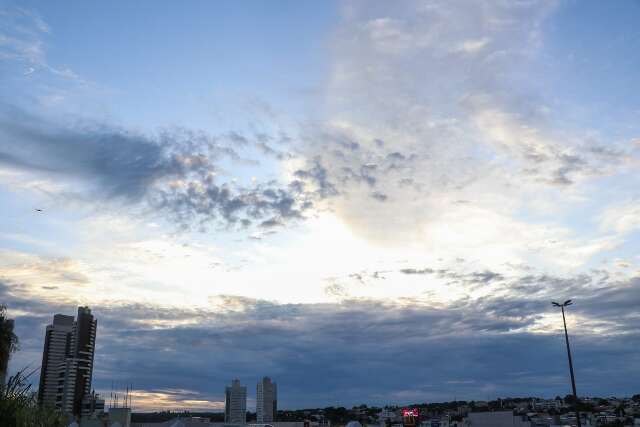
[358,350]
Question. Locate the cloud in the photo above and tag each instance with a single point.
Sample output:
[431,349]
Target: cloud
[184,356]
[379,196]
[472,45]
[176,173]
[51,272]
[545,154]
[316,174]
[417,271]
[411,123]
[121,164]
[23,39]
[20,36]
[431,105]
[622,218]
[174,400]
[202,201]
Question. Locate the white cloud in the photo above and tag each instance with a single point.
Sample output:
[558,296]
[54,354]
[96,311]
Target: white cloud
[472,46]
[434,151]
[622,218]
[20,36]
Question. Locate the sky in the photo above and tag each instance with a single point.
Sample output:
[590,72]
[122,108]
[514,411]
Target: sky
[369,202]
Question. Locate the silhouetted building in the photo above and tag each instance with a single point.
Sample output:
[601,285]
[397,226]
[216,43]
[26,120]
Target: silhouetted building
[67,361]
[266,401]
[235,407]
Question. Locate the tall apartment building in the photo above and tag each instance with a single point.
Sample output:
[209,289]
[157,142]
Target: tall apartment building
[56,348]
[266,401]
[67,361]
[235,407]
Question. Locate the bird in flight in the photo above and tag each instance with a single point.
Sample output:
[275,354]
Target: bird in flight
[38,210]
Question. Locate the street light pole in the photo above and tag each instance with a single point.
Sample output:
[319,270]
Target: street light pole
[573,380]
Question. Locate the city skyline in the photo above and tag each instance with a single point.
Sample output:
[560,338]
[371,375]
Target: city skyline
[364,201]
[68,340]
[70,344]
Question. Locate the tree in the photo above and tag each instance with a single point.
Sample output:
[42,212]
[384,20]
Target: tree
[8,342]
[19,406]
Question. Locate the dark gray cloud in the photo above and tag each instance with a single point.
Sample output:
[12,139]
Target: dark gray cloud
[569,164]
[175,172]
[316,174]
[417,271]
[486,276]
[469,279]
[358,350]
[204,201]
[121,164]
[381,197]
[561,168]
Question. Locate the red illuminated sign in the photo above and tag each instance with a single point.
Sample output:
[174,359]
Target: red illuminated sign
[410,412]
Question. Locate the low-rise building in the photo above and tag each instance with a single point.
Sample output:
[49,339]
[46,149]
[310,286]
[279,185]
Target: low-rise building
[497,419]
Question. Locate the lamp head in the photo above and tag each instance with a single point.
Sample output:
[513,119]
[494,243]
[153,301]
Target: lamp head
[564,304]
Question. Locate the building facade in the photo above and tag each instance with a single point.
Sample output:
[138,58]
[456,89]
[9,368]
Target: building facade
[266,401]
[57,341]
[235,407]
[67,361]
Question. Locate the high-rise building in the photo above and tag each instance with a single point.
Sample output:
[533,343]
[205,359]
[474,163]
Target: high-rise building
[235,407]
[67,361]
[56,347]
[266,401]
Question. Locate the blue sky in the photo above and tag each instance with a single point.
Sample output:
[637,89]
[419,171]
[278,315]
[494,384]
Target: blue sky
[321,190]
[163,64]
